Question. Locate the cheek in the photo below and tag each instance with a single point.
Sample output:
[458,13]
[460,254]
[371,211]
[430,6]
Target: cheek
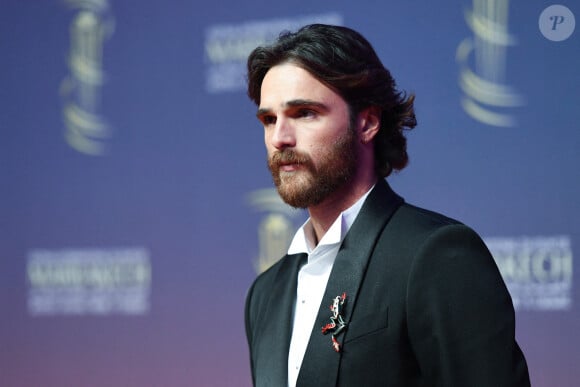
[320,142]
[267,141]
[270,150]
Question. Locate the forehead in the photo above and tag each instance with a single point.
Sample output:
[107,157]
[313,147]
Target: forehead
[289,82]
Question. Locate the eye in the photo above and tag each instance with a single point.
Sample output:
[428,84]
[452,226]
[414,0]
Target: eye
[268,120]
[306,113]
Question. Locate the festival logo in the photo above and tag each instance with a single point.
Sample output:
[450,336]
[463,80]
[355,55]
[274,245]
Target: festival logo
[88,281]
[86,129]
[538,271]
[487,97]
[227,47]
[276,229]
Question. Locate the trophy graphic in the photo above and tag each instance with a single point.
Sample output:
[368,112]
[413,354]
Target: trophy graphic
[86,130]
[483,65]
[276,229]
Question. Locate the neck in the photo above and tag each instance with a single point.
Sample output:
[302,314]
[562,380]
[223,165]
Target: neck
[323,215]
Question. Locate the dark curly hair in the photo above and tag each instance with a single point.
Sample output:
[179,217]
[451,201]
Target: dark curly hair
[345,61]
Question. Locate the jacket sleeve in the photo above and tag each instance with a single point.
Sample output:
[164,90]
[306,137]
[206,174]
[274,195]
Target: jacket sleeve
[460,314]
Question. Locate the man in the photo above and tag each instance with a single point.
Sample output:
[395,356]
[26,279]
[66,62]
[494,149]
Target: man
[373,291]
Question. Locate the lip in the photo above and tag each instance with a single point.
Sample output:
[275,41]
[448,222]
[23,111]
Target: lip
[289,167]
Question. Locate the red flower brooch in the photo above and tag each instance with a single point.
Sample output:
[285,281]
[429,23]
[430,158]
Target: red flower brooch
[336,324]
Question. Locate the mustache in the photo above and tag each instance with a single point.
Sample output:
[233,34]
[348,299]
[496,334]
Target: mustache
[288,156]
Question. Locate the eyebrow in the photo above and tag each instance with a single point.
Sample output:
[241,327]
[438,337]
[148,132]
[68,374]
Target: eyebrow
[295,103]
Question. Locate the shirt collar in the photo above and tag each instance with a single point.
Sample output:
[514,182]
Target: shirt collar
[303,241]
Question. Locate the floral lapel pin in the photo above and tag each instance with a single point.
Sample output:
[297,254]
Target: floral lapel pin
[336,324]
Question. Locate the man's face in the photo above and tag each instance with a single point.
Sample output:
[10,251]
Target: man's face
[311,147]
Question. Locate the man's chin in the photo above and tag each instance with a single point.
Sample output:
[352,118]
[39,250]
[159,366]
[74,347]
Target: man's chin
[293,197]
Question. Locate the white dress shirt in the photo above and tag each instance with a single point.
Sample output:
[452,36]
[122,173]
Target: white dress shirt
[312,279]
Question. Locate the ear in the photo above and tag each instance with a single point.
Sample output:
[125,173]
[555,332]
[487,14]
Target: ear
[369,123]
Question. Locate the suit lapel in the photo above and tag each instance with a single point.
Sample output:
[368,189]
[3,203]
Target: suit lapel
[321,363]
[272,361]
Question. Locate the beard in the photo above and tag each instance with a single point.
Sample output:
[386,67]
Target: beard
[311,184]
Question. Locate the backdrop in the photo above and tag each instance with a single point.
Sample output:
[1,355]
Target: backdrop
[136,207]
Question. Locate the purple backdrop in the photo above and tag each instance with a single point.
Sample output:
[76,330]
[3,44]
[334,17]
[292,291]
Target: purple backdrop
[129,155]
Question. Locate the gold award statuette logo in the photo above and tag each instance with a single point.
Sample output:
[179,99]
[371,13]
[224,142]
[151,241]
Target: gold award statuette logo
[482,58]
[276,229]
[85,129]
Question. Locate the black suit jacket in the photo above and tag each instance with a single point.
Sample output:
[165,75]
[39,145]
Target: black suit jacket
[426,306]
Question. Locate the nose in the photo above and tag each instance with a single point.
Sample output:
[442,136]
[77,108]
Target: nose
[282,135]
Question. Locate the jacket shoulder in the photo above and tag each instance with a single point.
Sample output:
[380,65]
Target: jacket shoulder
[422,217]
